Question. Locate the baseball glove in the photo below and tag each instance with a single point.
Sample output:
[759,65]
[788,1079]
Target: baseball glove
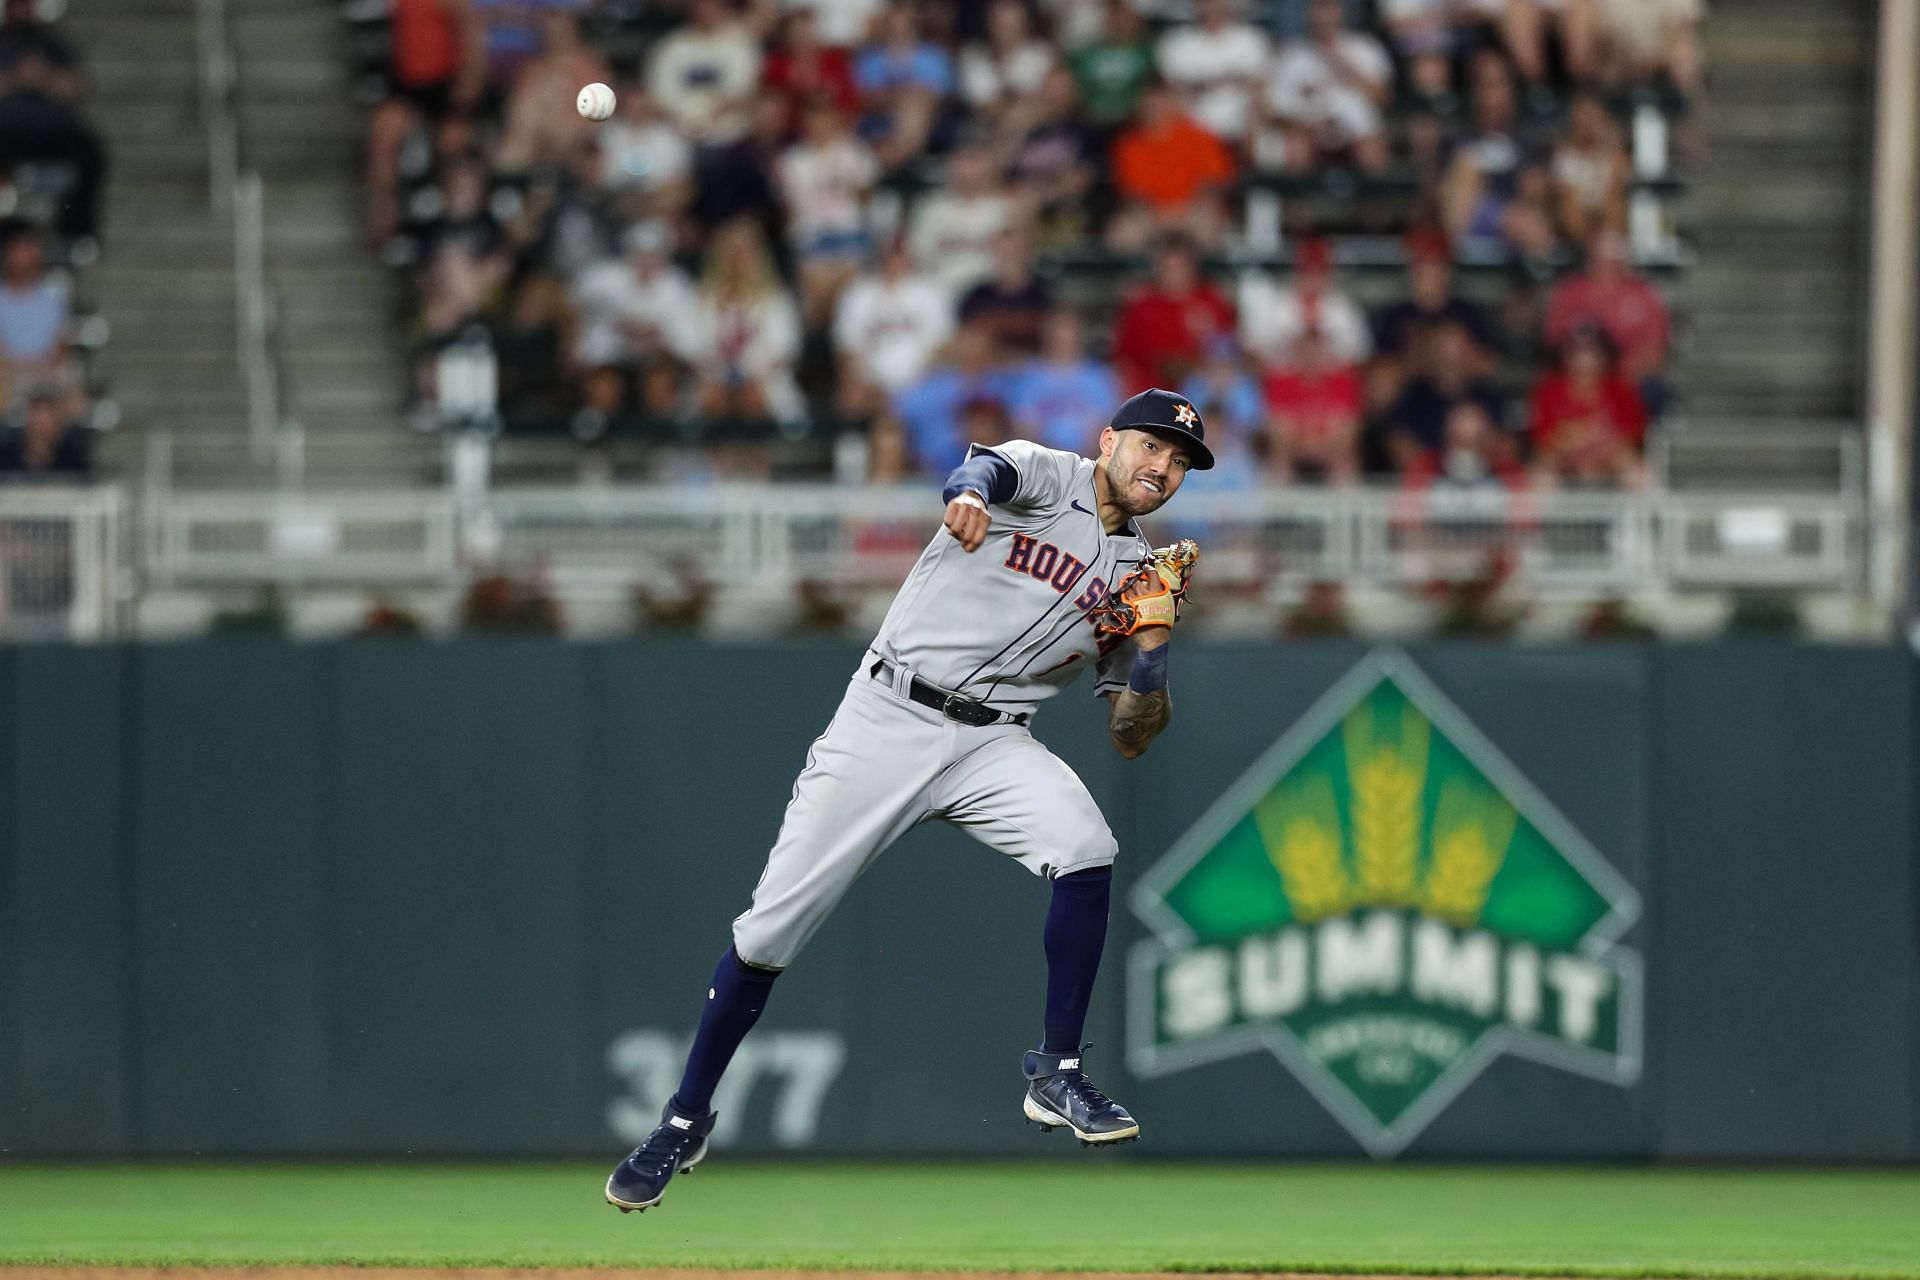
[1150,596]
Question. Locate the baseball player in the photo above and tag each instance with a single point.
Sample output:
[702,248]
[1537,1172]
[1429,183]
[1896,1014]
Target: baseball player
[1039,574]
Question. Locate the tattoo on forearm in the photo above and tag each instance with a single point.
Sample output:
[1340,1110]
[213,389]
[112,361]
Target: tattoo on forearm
[1135,718]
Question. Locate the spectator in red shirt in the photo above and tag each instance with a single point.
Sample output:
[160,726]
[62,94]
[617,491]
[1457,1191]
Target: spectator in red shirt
[1588,421]
[801,69]
[1170,173]
[1313,415]
[1610,296]
[1168,322]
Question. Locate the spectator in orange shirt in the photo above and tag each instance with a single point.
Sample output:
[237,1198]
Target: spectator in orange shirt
[1168,322]
[1170,174]
[1588,421]
[1313,415]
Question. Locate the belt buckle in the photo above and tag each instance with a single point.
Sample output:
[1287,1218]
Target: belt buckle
[975,714]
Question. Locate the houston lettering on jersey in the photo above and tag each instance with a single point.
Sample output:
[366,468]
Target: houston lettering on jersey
[1047,562]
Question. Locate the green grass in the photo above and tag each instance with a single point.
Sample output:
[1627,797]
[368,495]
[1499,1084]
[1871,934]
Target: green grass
[1135,1216]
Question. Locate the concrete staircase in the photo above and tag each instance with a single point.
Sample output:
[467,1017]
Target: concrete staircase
[302,131]
[1776,307]
[166,277]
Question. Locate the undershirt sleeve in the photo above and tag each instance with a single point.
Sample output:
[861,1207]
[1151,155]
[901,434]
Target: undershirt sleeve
[1042,476]
[987,474]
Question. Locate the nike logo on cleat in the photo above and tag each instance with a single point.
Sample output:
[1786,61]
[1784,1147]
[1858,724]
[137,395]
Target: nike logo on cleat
[1069,1064]
[681,1122]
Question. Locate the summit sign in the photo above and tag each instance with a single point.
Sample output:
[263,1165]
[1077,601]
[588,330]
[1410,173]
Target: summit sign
[1385,904]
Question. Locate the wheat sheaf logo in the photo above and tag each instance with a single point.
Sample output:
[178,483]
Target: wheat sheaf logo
[1385,903]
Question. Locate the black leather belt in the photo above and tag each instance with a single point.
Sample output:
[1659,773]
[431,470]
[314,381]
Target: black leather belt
[951,705]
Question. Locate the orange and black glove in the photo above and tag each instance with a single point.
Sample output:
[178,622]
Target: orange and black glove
[1150,596]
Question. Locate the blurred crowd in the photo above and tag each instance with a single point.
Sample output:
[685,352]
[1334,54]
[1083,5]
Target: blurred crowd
[863,213]
[51,166]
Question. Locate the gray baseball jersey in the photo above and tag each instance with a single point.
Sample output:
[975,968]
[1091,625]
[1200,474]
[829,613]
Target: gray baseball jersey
[1005,625]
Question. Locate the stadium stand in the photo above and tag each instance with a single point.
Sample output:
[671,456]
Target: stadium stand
[1232,194]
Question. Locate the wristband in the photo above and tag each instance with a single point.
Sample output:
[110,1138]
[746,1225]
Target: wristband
[1149,674]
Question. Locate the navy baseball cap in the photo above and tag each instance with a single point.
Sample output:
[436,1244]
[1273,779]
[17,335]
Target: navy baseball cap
[1166,414]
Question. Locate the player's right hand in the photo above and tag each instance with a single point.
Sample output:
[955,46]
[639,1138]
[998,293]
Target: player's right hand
[967,521]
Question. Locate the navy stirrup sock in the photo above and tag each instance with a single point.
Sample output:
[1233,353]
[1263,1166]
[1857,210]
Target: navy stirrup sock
[734,1003]
[1076,933]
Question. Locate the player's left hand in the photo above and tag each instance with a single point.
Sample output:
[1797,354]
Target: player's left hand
[1149,599]
[967,521]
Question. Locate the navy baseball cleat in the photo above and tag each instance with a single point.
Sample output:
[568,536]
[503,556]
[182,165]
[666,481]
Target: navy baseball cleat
[1059,1093]
[675,1146]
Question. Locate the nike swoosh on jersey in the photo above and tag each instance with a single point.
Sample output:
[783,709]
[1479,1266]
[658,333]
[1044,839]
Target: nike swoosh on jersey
[1075,504]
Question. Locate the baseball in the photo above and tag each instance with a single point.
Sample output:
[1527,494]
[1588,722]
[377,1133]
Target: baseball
[595,101]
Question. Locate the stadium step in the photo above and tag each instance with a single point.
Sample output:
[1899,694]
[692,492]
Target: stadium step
[1810,159]
[177,397]
[370,404]
[1826,328]
[266,113]
[121,25]
[1813,41]
[353,313]
[1791,198]
[315,29]
[158,77]
[1730,122]
[1820,256]
[274,77]
[177,156]
[1776,366]
[1767,405]
[350,453]
[1733,456]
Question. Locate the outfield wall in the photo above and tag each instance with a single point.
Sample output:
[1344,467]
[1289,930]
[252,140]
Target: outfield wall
[401,897]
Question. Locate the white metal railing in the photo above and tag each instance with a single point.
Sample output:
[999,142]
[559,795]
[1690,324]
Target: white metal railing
[216,104]
[62,563]
[601,541]
[237,198]
[255,313]
[67,564]
[298,538]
